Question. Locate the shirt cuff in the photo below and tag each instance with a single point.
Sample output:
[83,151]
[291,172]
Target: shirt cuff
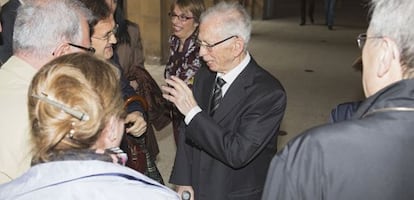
[191,114]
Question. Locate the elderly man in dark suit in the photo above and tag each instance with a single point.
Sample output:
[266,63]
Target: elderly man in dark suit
[230,133]
[371,155]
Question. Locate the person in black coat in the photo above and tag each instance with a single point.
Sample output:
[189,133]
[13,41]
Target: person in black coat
[226,147]
[371,155]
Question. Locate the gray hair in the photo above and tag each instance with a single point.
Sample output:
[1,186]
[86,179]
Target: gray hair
[394,19]
[41,25]
[234,20]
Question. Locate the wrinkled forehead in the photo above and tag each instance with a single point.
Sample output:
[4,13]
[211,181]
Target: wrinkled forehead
[211,28]
[105,25]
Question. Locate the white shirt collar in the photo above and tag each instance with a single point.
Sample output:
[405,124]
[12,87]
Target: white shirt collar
[232,74]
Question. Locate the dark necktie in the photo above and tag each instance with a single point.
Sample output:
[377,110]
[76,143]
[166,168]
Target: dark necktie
[217,94]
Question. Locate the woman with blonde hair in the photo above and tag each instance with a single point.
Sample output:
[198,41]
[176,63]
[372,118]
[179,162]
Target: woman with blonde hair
[76,117]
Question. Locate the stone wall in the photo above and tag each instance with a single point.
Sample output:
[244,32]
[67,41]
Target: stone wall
[155,23]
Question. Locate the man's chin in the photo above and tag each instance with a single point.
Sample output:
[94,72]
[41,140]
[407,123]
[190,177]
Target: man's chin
[211,66]
[109,54]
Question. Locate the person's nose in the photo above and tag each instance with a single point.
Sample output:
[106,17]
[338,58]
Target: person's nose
[175,20]
[203,51]
[112,39]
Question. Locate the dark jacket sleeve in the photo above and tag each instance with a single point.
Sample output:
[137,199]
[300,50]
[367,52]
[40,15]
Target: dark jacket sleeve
[127,90]
[8,17]
[181,172]
[278,185]
[296,172]
[344,111]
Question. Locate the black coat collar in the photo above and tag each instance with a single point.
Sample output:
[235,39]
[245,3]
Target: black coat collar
[397,96]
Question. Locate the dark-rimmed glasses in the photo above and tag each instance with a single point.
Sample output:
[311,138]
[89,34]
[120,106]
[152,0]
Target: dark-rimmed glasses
[182,18]
[88,49]
[209,47]
[109,34]
[362,38]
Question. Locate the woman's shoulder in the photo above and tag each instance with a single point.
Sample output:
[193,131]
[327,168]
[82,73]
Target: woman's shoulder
[85,178]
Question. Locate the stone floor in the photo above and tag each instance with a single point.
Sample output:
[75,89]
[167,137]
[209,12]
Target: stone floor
[313,64]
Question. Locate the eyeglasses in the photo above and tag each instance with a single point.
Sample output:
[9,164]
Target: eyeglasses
[362,38]
[109,34]
[209,47]
[182,18]
[88,49]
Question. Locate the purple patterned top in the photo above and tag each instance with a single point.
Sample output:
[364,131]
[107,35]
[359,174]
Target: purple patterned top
[186,63]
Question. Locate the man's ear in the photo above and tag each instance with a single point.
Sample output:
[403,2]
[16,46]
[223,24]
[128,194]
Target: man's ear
[109,136]
[62,49]
[113,129]
[385,56]
[238,46]
[389,64]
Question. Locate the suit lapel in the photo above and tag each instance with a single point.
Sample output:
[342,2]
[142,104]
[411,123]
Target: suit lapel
[203,93]
[236,92]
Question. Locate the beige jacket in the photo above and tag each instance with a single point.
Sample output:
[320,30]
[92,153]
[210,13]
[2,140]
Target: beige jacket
[15,78]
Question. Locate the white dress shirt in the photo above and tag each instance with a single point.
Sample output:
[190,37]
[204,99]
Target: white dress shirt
[229,78]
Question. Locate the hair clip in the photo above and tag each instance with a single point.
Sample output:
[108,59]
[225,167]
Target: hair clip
[77,114]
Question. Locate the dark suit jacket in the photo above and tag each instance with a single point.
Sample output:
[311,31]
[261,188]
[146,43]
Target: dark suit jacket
[226,156]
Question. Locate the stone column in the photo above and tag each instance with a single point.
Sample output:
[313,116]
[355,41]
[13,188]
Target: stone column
[154,23]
